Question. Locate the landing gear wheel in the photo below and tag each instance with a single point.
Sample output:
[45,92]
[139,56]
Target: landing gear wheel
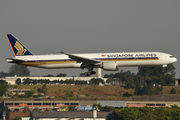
[86,74]
[93,72]
[89,73]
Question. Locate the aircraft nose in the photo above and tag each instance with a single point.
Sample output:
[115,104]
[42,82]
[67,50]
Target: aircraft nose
[172,59]
[175,59]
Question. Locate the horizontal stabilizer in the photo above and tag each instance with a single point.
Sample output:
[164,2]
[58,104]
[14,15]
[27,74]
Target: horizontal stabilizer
[15,59]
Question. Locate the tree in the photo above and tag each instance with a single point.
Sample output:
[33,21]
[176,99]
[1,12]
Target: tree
[36,109]
[96,81]
[34,82]
[18,81]
[3,82]
[3,74]
[147,89]
[39,95]
[3,89]
[26,109]
[106,108]
[49,75]
[169,79]
[16,95]
[61,75]
[157,70]
[29,94]
[19,70]
[69,95]
[173,91]
[44,89]
[71,108]
[5,109]
[27,81]
[17,118]
[137,89]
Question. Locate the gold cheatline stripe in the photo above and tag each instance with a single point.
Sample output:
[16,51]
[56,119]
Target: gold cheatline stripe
[34,63]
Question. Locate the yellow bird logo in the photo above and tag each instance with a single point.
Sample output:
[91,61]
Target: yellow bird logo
[20,49]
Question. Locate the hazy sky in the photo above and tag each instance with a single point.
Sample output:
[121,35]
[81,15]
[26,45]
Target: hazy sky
[88,26]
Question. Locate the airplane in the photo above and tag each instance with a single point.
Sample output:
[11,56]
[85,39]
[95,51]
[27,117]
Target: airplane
[105,61]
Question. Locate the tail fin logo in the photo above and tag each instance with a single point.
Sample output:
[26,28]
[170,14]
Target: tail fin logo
[20,48]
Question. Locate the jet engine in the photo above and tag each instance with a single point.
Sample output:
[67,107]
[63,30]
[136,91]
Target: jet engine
[109,66]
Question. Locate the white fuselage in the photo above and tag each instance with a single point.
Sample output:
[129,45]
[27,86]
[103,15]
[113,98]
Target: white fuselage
[123,59]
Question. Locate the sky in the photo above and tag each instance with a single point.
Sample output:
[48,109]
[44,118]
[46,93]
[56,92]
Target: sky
[90,26]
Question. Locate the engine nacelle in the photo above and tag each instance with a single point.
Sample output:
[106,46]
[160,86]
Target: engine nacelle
[109,66]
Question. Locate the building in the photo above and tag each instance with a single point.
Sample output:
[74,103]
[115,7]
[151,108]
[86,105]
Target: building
[44,105]
[94,115]
[112,103]
[13,91]
[151,103]
[12,80]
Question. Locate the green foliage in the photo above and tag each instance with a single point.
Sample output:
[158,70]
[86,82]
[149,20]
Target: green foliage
[126,94]
[44,89]
[148,113]
[61,75]
[27,81]
[156,70]
[101,108]
[147,90]
[137,89]
[39,95]
[157,90]
[175,106]
[3,74]
[87,94]
[78,82]
[3,82]
[26,109]
[36,109]
[109,81]
[97,106]
[19,70]
[47,81]
[168,79]
[17,118]
[29,94]
[5,108]
[49,75]
[3,89]
[173,91]
[96,81]
[18,81]
[69,95]
[106,108]
[71,108]
[16,94]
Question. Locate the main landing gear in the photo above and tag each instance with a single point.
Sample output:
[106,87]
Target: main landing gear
[90,72]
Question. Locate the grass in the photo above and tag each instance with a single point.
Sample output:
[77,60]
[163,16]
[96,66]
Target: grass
[93,92]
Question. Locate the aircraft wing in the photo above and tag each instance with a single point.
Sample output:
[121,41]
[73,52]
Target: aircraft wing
[80,59]
[15,59]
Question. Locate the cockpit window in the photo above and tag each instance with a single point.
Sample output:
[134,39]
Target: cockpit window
[171,56]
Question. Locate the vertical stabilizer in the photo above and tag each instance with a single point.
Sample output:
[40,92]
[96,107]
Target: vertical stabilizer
[17,47]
